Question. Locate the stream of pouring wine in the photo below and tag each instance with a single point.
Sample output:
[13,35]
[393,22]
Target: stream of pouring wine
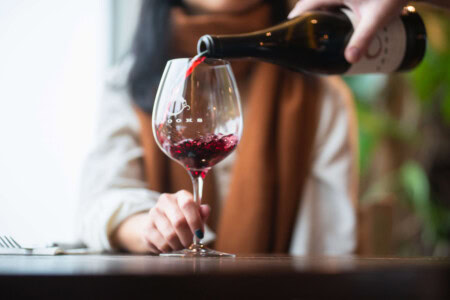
[193,63]
[198,59]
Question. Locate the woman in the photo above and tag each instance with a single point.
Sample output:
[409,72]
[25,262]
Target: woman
[291,186]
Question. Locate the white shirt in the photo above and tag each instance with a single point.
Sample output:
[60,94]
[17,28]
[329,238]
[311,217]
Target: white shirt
[113,185]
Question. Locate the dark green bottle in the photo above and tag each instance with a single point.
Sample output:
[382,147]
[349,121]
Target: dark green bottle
[315,42]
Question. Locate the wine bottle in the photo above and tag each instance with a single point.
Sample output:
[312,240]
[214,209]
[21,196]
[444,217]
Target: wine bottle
[315,42]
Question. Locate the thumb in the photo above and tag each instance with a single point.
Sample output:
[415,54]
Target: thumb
[360,40]
[205,211]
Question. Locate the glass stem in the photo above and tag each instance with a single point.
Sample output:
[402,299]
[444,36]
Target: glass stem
[197,182]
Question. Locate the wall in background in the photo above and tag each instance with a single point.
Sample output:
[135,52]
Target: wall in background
[53,56]
[123,22]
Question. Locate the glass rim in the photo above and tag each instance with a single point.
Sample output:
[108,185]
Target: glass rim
[223,62]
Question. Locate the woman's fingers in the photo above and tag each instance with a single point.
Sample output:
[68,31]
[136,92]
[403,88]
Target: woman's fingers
[306,5]
[371,16]
[155,239]
[178,222]
[205,211]
[166,229]
[360,40]
[150,247]
[191,212]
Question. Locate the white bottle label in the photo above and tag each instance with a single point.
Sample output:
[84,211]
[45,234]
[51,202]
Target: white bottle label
[386,51]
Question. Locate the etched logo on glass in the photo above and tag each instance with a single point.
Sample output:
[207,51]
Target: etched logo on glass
[177,106]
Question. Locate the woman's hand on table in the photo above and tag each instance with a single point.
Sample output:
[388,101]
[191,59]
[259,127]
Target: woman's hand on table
[168,226]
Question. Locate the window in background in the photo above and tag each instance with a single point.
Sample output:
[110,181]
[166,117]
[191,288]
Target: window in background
[124,18]
[53,56]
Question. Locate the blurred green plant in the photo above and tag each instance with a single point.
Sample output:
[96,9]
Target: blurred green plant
[412,183]
[408,181]
[431,80]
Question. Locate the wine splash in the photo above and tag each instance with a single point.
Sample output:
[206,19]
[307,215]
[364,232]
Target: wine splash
[179,81]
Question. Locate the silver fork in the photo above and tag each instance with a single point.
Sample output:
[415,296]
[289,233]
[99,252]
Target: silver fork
[8,245]
[8,242]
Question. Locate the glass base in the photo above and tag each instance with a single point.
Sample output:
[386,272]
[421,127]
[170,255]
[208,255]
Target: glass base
[197,250]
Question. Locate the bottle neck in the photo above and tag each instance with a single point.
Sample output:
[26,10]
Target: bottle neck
[227,46]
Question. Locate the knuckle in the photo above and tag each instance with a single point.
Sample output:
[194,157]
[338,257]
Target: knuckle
[159,210]
[159,241]
[152,211]
[165,229]
[154,250]
[147,227]
[164,198]
[172,237]
[187,204]
[187,239]
[154,214]
[155,210]
[183,193]
[153,235]
[165,248]
[160,245]
[149,244]
[179,222]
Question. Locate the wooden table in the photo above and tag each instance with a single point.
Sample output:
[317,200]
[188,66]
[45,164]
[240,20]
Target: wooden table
[258,277]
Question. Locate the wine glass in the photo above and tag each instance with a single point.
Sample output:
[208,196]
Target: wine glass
[197,121]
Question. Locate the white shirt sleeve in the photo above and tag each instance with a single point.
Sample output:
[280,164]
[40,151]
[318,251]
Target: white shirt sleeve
[326,218]
[112,181]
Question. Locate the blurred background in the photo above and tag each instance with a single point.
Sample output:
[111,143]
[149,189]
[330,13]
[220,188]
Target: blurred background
[54,56]
[404,141]
[53,59]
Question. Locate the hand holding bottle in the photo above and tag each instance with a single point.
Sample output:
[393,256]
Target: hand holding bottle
[316,42]
[371,15]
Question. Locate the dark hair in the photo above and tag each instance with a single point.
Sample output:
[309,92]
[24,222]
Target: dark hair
[150,47]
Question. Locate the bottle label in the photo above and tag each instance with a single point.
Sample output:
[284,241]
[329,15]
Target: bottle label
[386,51]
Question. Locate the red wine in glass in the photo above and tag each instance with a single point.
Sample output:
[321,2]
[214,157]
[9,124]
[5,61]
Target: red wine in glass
[200,154]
